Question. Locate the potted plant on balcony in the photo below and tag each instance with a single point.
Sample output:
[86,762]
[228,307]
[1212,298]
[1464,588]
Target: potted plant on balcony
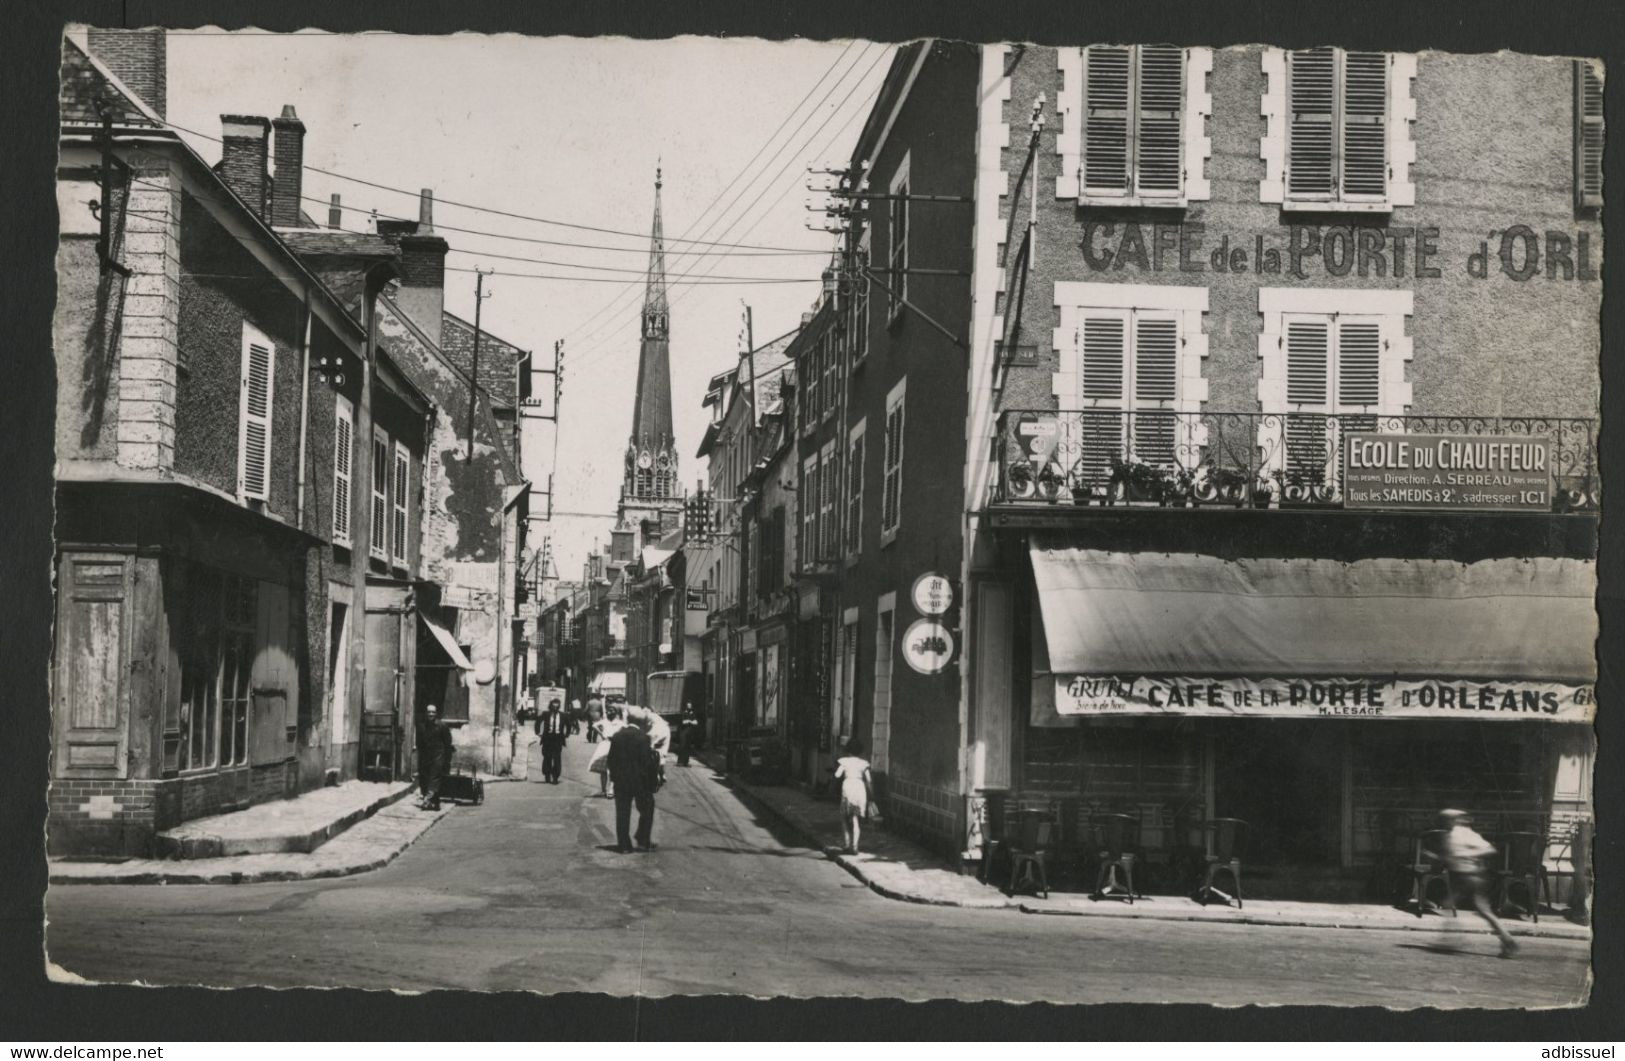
[1181,489]
[1135,481]
[1019,481]
[1215,485]
[1300,487]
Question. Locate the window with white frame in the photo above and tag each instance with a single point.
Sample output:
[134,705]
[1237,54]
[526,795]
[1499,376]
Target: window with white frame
[399,523]
[858,330]
[897,234]
[343,458]
[1130,364]
[854,490]
[1333,362]
[1588,134]
[1338,129]
[829,508]
[254,415]
[891,497]
[1133,126]
[378,543]
[810,484]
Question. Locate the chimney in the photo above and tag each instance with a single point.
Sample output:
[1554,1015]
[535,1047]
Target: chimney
[422,293]
[242,160]
[290,168]
[137,58]
[335,212]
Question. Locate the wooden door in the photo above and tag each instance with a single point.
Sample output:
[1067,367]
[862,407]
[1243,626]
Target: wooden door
[91,690]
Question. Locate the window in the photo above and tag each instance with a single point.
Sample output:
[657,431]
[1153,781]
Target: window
[880,721]
[343,454]
[217,660]
[829,496]
[1337,129]
[236,667]
[1133,364]
[398,526]
[847,680]
[810,484]
[854,490]
[1133,124]
[815,384]
[891,499]
[254,415]
[378,544]
[897,232]
[859,328]
[1588,132]
[1333,362]
[832,370]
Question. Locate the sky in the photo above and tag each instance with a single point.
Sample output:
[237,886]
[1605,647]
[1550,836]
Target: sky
[570,130]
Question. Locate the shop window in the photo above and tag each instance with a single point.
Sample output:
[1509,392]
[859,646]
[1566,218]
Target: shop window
[254,416]
[1588,135]
[216,654]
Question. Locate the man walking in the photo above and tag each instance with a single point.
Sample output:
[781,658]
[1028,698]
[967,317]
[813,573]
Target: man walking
[688,731]
[552,727]
[632,769]
[434,757]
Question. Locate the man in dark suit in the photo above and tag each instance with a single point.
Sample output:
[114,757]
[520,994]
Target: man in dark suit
[633,769]
[552,727]
[434,757]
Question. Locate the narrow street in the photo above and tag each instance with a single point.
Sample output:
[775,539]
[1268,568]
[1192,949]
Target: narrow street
[527,893]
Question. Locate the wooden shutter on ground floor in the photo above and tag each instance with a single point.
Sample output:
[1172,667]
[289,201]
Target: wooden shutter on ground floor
[91,686]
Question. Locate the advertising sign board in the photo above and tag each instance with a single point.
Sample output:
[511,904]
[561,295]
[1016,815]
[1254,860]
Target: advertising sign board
[1497,473]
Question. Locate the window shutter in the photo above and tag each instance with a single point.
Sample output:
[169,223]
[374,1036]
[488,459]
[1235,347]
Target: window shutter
[891,500]
[1106,148]
[1365,125]
[379,533]
[343,448]
[254,449]
[829,506]
[1311,91]
[1103,353]
[1159,136]
[1588,134]
[403,475]
[854,496]
[1156,384]
[1308,361]
[1359,364]
[809,510]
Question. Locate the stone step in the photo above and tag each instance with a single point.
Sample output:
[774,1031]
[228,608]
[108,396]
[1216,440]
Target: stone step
[298,825]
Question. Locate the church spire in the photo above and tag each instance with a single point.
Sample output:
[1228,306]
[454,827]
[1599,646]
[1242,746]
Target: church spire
[651,455]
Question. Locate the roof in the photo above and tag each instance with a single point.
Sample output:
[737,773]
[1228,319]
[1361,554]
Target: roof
[332,241]
[766,366]
[499,359]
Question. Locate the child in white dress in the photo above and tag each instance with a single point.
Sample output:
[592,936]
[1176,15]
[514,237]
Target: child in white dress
[852,771]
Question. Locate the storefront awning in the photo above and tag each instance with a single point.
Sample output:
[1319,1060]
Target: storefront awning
[609,682]
[1262,623]
[453,650]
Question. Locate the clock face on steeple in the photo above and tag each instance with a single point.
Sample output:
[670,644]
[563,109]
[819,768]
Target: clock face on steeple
[645,459]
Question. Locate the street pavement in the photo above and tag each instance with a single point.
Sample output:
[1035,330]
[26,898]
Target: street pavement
[527,893]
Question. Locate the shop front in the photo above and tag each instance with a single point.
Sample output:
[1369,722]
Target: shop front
[1333,706]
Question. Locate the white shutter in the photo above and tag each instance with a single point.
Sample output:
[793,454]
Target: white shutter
[1311,119]
[854,497]
[1308,385]
[378,544]
[1155,361]
[1359,364]
[343,450]
[254,441]
[828,504]
[1106,148]
[398,528]
[891,495]
[1103,361]
[1588,134]
[1159,134]
[1364,116]
[809,510]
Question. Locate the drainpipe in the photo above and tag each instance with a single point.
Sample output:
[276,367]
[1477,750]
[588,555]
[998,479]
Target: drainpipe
[304,412]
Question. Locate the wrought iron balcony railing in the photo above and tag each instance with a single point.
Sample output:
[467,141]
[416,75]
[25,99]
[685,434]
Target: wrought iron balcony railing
[1291,460]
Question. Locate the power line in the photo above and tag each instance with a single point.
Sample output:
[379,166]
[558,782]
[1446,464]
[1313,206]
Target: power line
[578,265]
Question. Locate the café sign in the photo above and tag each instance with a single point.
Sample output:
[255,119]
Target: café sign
[1098,696]
[1502,473]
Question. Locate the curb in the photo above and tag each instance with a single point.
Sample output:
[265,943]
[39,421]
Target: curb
[1575,933]
[206,846]
[265,876]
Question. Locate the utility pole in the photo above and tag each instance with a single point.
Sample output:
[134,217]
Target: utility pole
[750,376]
[474,373]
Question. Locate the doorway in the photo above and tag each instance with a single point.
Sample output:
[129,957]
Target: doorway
[1284,777]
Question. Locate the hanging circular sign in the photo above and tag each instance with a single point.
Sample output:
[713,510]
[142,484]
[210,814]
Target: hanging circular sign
[485,672]
[933,594]
[928,646]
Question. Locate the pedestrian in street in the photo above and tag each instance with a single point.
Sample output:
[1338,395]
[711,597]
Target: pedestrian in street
[1464,854]
[606,727]
[552,727]
[632,766]
[595,715]
[688,730]
[852,771]
[434,757]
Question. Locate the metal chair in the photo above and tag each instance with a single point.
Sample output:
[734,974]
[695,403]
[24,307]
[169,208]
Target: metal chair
[1114,841]
[993,834]
[1031,853]
[1426,868]
[1227,846]
[1523,863]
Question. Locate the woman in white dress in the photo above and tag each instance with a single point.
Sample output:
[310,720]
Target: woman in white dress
[606,728]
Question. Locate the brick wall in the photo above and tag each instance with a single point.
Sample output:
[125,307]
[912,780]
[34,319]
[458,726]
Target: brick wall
[121,818]
[137,57]
[928,814]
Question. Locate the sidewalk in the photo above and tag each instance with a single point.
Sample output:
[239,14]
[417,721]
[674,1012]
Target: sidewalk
[331,832]
[898,869]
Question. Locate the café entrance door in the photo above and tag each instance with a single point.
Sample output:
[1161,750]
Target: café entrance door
[1284,778]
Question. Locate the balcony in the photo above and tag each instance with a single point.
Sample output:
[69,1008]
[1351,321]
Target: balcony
[1164,459]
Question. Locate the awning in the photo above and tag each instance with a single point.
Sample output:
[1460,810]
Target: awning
[608,682]
[453,650]
[1261,630]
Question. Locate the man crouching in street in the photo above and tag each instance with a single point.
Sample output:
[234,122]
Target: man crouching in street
[434,757]
[634,770]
